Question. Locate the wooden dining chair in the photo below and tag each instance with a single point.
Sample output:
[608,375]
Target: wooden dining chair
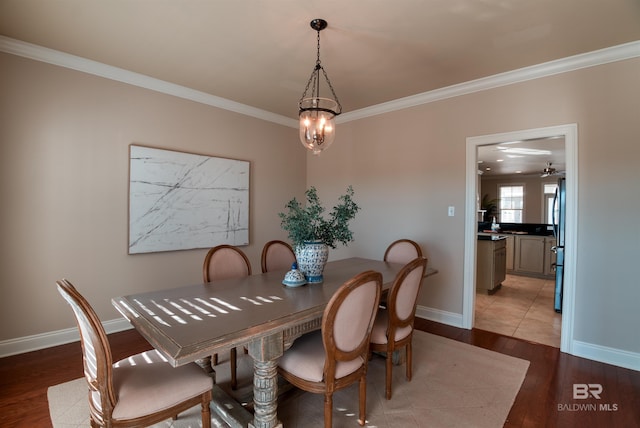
[402,251]
[226,262]
[140,390]
[336,356]
[393,327]
[277,255]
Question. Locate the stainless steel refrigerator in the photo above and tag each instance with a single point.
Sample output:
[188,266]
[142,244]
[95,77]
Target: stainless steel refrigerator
[559,225]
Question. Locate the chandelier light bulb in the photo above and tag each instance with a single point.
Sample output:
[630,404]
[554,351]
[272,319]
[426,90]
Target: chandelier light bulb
[317,130]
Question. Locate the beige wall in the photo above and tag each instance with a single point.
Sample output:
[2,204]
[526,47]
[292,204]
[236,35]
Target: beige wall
[408,166]
[64,187]
[63,162]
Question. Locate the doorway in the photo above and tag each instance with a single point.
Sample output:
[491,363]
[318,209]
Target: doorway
[569,132]
[516,185]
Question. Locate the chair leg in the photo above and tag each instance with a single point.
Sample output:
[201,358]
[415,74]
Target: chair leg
[409,363]
[389,374]
[206,412]
[363,401]
[328,409]
[233,364]
[214,360]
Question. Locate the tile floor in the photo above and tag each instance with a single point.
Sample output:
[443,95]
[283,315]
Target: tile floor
[522,308]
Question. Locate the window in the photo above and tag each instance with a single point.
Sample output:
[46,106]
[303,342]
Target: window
[549,194]
[511,203]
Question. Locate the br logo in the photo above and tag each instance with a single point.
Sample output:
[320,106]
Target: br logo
[582,391]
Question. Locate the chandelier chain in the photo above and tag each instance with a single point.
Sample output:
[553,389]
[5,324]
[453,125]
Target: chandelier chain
[318,50]
[335,97]
[315,80]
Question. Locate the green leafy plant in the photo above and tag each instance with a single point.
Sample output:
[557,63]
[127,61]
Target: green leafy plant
[490,206]
[308,223]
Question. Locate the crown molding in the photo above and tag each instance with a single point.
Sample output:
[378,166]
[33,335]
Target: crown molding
[564,65]
[62,59]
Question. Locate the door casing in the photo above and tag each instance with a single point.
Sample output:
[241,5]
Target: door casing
[570,134]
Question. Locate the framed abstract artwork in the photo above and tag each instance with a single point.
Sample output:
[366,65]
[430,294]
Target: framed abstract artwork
[181,201]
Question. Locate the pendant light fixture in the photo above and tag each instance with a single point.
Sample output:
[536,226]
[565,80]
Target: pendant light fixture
[317,125]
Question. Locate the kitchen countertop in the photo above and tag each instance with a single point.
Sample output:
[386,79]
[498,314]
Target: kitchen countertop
[491,236]
[506,232]
[487,235]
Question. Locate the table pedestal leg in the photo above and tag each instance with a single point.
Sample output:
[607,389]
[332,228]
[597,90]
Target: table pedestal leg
[265,353]
[205,364]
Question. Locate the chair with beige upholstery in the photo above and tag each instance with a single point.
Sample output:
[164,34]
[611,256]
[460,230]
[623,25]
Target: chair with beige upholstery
[393,327]
[336,356]
[226,262]
[277,255]
[137,391]
[402,251]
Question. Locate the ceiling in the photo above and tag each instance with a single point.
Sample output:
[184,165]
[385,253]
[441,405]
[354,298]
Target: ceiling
[522,158]
[261,53]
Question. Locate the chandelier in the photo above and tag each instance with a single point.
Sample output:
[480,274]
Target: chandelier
[317,125]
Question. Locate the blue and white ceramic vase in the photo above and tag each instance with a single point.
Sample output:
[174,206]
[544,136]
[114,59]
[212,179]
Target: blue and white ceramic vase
[312,256]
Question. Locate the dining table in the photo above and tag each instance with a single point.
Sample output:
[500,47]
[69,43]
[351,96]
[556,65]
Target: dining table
[190,323]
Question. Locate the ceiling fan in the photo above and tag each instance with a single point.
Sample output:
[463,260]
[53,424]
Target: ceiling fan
[549,171]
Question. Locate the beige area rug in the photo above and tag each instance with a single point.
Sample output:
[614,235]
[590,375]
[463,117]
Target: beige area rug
[453,385]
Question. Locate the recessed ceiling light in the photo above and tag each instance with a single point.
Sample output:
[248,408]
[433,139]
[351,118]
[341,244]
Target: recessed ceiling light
[533,139]
[499,160]
[488,168]
[523,151]
[518,172]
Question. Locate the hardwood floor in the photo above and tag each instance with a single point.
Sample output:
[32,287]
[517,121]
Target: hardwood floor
[545,399]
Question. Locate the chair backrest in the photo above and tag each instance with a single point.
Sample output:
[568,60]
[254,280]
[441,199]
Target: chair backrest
[225,262]
[277,255]
[403,298]
[96,353]
[402,251]
[348,320]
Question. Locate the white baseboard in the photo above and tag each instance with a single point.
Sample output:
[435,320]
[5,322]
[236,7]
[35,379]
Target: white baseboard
[607,355]
[21,345]
[604,354]
[438,315]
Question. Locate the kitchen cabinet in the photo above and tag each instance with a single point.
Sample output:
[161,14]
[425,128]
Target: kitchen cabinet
[533,256]
[529,254]
[491,264]
[511,244]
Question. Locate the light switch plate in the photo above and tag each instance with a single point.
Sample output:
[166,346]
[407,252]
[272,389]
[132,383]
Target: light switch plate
[452,211]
